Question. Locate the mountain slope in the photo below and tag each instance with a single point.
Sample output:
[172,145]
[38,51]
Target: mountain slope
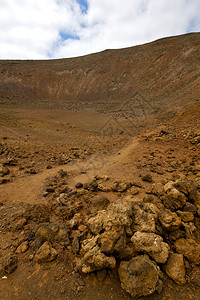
[164,72]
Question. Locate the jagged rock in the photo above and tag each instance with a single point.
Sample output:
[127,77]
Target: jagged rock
[113,241]
[174,199]
[152,244]
[45,253]
[120,186]
[47,231]
[147,178]
[177,234]
[157,189]
[20,223]
[185,216]
[129,252]
[169,220]
[97,203]
[4,170]
[8,264]
[118,215]
[23,247]
[189,188]
[51,231]
[91,186]
[190,230]
[93,258]
[139,276]
[175,268]
[190,207]
[189,248]
[144,217]
[168,186]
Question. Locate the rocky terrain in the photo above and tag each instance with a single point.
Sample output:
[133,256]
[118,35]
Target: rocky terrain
[100,175]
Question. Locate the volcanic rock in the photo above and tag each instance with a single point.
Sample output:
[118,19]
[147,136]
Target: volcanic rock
[175,268]
[152,244]
[139,276]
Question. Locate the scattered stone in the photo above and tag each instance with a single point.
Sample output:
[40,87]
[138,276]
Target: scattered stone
[147,178]
[79,185]
[20,223]
[4,170]
[189,248]
[97,203]
[45,253]
[139,276]
[23,247]
[175,268]
[91,186]
[8,264]
[82,228]
[157,189]
[120,186]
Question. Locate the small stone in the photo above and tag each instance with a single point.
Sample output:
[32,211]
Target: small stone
[22,248]
[185,216]
[20,223]
[45,253]
[8,264]
[82,228]
[79,185]
[147,178]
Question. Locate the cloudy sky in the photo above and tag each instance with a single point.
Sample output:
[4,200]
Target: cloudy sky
[40,29]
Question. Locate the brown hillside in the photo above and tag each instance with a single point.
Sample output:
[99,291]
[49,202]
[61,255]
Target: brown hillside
[165,73]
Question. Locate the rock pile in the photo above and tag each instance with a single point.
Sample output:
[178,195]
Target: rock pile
[146,239]
[142,238]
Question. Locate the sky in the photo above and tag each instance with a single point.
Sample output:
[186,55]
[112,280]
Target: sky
[48,29]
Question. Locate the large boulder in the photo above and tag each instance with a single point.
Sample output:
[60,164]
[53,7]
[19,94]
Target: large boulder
[139,276]
[175,268]
[152,244]
[189,248]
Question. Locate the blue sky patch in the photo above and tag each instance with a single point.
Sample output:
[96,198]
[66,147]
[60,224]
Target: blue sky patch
[83,5]
[65,36]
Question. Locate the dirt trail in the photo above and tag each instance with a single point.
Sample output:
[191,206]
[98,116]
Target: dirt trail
[29,188]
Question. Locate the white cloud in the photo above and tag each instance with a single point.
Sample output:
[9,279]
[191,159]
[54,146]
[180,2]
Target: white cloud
[31,29]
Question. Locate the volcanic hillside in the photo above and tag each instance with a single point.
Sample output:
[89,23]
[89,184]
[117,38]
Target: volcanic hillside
[165,73]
